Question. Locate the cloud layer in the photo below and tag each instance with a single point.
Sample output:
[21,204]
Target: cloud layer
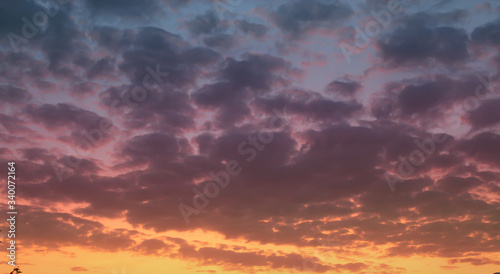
[123,110]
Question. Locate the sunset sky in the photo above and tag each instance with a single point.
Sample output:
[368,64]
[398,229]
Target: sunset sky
[252,136]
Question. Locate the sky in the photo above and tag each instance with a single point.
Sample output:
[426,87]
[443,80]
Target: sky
[238,136]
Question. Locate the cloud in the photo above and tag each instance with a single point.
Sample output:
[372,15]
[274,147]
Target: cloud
[13,124]
[13,95]
[217,256]
[317,109]
[81,123]
[79,268]
[254,29]
[60,41]
[153,147]
[426,96]
[221,41]
[481,147]
[127,9]
[419,40]
[55,230]
[208,23]
[475,261]
[238,81]
[35,153]
[343,87]
[169,66]
[487,34]
[318,187]
[153,247]
[11,14]
[105,66]
[298,17]
[112,38]
[487,114]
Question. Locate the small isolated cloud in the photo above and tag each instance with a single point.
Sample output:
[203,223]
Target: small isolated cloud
[79,268]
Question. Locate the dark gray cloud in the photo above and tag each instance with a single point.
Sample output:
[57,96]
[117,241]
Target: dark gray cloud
[64,115]
[343,87]
[56,230]
[482,147]
[13,15]
[239,81]
[255,71]
[35,153]
[487,34]
[417,98]
[313,108]
[112,38]
[220,41]
[13,67]
[13,95]
[208,23]
[165,109]
[154,46]
[419,39]
[299,16]
[151,148]
[254,29]
[487,114]
[127,9]
[13,124]
[62,41]
[170,67]
[228,99]
[84,88]
[423,96]
[86,129]
[102,68]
